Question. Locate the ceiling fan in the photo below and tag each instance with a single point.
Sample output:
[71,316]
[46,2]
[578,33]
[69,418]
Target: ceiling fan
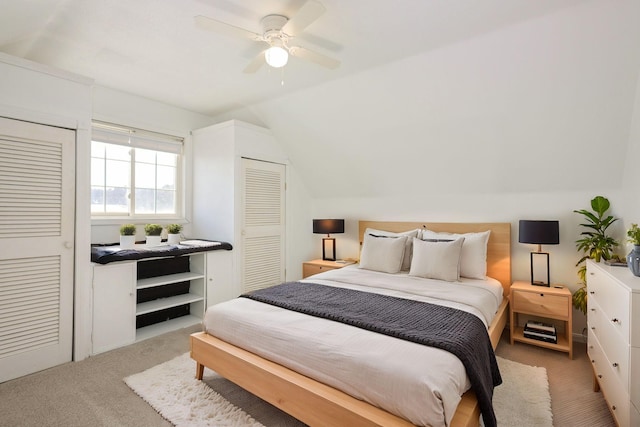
[278,33]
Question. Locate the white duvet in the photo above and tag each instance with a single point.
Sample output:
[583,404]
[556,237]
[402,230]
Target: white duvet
[419,383]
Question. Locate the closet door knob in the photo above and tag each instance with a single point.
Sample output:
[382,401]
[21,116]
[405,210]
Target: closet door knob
[615,365]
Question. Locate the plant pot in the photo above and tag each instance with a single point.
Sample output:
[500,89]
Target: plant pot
[633,260]
[173,239]
[154,240]
[127,242]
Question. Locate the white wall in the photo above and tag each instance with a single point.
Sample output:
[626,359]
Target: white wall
[530,121]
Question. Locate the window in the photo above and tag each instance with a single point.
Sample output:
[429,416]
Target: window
[134,172]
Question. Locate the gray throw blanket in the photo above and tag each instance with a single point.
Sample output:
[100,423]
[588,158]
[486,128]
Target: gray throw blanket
[455,331]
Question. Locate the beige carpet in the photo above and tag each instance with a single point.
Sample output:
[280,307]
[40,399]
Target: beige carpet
[522,400]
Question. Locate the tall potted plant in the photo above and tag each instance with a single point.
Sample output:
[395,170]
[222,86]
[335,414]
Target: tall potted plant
[594,244]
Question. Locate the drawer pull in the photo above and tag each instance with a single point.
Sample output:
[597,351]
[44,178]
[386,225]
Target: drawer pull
[592,292]
[593,328]
[599,375]
[593,309]
[614,364]
[615,320]
[613,407]
[591,347]
[593,360]
[541,295]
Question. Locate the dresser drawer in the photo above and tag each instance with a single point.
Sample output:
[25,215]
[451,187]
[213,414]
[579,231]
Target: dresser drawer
[540,303]
[615,394]
[617,350]
[613,299]
[635,320]
[634,389]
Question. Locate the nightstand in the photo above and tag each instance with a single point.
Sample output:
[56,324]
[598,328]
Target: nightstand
[541,302]
[316,266]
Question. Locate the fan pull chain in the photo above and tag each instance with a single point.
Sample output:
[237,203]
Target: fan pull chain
[282,76]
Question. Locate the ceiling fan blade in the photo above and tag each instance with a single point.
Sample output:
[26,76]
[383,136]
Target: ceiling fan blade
[309,12]
[255,64]
[225,29]
[315,57]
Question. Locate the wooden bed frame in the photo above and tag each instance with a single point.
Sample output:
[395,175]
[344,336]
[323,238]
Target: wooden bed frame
[317,404]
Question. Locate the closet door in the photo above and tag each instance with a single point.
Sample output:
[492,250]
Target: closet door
[37,173]
[263,228]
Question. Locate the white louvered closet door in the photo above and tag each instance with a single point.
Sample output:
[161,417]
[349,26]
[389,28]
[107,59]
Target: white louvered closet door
[37,191]
[263,229]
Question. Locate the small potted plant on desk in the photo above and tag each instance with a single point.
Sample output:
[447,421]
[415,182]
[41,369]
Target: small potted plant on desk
[127,236]
[633,259]
[173,233]
[153,233]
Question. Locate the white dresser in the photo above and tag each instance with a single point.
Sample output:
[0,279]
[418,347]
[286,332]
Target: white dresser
[614,338]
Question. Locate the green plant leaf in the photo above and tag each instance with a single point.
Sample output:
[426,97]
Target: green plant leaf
[600,205]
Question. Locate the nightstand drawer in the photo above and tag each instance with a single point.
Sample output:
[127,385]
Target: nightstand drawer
[540,303]
[311,269]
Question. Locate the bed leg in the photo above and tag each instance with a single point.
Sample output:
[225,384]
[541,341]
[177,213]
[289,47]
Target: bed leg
[199,371]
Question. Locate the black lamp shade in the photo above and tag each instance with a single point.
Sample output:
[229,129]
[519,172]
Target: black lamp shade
[328,226]
[539,232]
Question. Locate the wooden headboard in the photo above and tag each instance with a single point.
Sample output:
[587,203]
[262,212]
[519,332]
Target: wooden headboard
[498,248]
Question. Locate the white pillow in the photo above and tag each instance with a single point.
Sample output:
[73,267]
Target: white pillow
[437,260]
[382,253]
[408,250]
[473,260]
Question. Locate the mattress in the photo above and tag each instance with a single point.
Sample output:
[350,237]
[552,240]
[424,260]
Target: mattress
[421,384]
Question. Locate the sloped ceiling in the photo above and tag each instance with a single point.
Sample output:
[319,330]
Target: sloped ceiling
[432,96]
[154,49]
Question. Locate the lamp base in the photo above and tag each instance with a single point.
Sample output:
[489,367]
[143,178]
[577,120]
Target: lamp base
[328,249]
[540,269]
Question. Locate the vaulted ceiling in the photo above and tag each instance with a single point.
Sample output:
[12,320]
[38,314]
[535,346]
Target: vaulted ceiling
[431,97]
[154,49]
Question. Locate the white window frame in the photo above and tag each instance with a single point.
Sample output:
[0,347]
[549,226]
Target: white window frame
[140,138]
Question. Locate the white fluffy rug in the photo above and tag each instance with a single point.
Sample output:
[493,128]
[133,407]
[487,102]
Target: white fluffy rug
[170,388]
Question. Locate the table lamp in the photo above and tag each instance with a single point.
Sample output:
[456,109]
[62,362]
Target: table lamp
[539,233]
[328,226]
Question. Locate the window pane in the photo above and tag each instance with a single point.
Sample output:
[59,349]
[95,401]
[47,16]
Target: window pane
[166,178]
[167,159]
[97,199]
[117,199]
[112,174]
[117,152]
[166,202]
[145,156]
[145,201]
[97,149]
[118,173]
[145,175]
[97,172]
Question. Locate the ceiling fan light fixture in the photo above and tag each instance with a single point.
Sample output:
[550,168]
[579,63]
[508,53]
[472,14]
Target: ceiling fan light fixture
[276,56]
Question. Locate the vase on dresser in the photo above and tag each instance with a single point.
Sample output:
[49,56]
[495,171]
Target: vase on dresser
[633,260]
